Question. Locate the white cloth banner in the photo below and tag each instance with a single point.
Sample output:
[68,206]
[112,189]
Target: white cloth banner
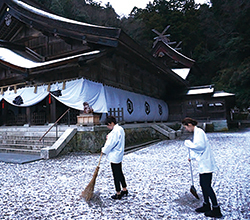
[75,93]
[27,96]
[79,91]
[136,107]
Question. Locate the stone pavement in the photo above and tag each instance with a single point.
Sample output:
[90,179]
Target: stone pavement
[18,158]
[158,179]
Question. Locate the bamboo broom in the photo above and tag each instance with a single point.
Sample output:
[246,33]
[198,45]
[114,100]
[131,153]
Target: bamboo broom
[192,189]
[87,194]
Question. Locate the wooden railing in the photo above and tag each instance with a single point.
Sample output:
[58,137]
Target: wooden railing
[55,124]
[117,113]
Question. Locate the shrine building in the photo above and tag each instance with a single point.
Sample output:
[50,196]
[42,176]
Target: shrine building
[50,63]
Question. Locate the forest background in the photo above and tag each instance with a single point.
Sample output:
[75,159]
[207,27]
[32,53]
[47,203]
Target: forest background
[216,36]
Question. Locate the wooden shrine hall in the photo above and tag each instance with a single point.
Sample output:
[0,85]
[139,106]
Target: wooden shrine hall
[50,63]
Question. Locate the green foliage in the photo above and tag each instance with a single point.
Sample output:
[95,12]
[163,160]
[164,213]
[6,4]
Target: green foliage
[61,7]
[87,11]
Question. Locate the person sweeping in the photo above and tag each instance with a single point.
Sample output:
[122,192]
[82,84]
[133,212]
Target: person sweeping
[201,151]
[114,149]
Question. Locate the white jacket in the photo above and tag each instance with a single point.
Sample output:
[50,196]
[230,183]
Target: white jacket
[201,151]
[114,146]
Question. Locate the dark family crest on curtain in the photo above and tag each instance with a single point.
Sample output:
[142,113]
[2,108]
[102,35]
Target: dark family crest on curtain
[130,106]
[18,100]
[57,93]
[160,109]
[147,108]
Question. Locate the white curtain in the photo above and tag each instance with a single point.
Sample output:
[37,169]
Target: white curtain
[27,94]
[75,93]
[79,91]
[136,107]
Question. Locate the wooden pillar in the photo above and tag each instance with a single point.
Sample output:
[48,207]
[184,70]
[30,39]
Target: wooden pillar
[47,111]
[4,111]
[205,104]
[28,116]
[52,102]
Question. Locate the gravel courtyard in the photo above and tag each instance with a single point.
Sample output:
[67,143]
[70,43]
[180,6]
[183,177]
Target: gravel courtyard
[158,179]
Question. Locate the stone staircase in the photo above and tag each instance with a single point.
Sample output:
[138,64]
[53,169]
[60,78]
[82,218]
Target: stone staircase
[166,131]
[25,140]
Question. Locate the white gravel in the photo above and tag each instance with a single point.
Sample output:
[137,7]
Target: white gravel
[158,179]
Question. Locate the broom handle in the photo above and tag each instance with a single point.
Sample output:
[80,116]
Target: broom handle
[100,160]
[191,167]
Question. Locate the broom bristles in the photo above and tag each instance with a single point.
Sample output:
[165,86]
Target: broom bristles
[193,191]
[88,191]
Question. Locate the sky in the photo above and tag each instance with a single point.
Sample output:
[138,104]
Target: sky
[123,8]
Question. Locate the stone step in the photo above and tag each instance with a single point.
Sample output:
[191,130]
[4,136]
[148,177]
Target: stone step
[170,134]
[14,136]
[23,146]
[27,142]
[167,128]
[33,128]
[30,134]
[20,151]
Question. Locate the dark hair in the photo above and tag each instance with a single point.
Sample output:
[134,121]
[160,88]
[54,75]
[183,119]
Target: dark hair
[187,121]
[109,120]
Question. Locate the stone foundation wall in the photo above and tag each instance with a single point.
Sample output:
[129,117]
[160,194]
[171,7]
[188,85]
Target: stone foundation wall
[93,141]
[219,125]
